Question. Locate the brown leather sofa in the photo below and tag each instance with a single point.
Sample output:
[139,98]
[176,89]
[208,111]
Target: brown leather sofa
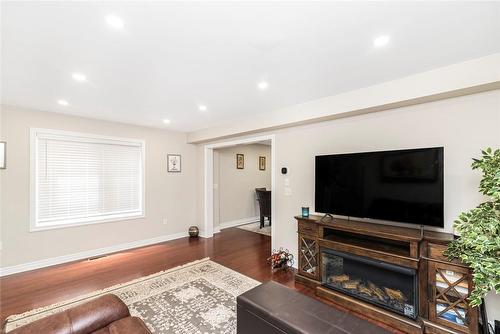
[104,315]
[272,308]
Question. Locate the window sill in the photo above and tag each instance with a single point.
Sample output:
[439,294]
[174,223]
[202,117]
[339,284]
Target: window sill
[38,228]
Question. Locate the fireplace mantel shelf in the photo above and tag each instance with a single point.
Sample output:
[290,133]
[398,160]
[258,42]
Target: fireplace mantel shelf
[380,230]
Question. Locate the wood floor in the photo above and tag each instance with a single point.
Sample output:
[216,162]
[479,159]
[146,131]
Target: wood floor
[240,250]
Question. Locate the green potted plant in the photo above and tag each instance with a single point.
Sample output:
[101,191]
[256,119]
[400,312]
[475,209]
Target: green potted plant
[479,229]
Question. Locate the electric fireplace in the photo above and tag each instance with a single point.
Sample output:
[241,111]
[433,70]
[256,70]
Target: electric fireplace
[384,284]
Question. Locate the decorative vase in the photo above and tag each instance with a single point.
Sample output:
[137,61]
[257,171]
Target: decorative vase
[305,211]
[194,231]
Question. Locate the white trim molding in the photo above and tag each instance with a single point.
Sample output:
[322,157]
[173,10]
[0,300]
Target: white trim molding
[87,254]
[238,222]
[208,225]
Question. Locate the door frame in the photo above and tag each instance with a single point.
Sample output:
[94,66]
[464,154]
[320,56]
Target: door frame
[208,225]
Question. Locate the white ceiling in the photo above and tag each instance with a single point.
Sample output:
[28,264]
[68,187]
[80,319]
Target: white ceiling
[173,56]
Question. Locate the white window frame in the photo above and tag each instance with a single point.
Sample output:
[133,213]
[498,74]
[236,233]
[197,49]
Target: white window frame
[34,227]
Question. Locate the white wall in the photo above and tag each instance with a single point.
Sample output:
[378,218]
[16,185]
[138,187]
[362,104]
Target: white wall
[168,195]
[462,125]
[236,187]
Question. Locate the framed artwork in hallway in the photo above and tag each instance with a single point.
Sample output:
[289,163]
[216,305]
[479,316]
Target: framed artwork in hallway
[262,163]
[240,161]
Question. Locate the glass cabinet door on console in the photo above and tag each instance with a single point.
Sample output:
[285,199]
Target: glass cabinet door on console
[450,286]
[308,256]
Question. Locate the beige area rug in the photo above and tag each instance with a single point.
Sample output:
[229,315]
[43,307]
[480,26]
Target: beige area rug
[196,298]
[255,227]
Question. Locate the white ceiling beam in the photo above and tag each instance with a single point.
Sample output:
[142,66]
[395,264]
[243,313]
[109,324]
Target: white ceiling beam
[469,77]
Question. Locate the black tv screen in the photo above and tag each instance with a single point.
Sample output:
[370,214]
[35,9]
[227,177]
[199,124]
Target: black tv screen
[401,186]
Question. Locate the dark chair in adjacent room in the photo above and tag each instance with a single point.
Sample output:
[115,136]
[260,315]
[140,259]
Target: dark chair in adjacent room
[264,199]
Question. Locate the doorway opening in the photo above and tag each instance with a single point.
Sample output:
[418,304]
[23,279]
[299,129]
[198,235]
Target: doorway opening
[239,186]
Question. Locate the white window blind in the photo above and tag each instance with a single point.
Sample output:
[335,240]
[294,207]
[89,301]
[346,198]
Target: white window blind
[81,179]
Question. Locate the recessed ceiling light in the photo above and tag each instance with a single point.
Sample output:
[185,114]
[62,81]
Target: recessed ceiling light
[202,108]
[62,102]
[166,121]
[381,41]
[79,77]
[263,85]
[115,22]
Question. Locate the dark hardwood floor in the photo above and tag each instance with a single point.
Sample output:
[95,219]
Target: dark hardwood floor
[240,250]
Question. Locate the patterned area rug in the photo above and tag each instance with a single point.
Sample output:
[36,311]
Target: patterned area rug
[197,298]
[255,227]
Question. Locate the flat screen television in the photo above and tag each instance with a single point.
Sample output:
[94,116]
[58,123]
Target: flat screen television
[401,186]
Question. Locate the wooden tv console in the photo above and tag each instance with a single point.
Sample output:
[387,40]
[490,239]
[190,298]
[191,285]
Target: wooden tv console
[440,282]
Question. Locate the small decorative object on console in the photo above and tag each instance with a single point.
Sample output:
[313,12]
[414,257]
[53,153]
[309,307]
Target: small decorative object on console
[305,211]
[281,259]
[194,231]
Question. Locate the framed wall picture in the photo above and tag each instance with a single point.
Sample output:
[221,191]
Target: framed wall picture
[262,163]
[3,155]
[240,161]
[173,163]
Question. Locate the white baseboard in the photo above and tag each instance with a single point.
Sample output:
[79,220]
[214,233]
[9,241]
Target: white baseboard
[87,254]
[238,222]
[234,223]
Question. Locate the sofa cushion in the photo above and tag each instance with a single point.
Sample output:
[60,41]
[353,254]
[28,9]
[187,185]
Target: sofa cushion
[129,325]
[85,318]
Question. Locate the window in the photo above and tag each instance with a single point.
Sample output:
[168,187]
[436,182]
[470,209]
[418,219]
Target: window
[83,179]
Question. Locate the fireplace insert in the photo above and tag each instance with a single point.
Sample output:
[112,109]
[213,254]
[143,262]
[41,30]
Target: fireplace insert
[383,284]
